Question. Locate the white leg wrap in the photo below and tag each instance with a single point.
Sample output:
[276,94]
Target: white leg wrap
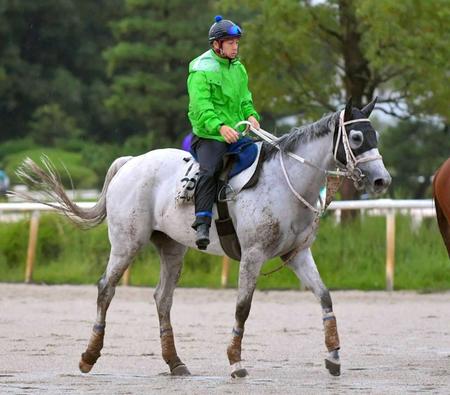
[236,366]
[328,315]
[334,356]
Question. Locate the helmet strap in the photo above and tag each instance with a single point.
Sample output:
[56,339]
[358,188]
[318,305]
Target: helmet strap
[219,51]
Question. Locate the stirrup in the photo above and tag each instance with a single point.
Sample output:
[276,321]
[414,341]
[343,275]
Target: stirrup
[223,190]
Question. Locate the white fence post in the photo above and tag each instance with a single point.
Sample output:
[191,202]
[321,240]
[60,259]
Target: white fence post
[225,272]
[390,249]
[126,276]
[32,242]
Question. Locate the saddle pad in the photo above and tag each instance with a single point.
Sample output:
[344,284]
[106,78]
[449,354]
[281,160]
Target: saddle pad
[186,185]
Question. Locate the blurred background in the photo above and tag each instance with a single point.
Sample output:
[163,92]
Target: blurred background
[87,81]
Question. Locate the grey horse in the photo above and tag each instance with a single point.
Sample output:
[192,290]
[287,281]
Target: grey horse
[138,199]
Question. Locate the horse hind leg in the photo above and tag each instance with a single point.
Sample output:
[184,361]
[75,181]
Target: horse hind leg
[305,268]
[171,255]
[117,264]
[444,225]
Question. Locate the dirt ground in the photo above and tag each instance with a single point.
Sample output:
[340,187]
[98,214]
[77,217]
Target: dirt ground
[391,343]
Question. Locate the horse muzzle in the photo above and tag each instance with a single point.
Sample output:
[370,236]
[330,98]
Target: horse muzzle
[376,178]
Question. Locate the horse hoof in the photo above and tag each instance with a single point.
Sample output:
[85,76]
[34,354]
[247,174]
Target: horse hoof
[180,370]
[333,367]
[84,367]
[237,374]
[237,371]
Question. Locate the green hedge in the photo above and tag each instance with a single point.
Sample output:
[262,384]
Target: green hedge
[348,257]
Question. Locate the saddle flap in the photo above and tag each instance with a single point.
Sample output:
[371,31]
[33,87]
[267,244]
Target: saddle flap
[228,238]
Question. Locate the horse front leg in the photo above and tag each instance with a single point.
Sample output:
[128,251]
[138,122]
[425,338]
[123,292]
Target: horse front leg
[248,274]
[305,268]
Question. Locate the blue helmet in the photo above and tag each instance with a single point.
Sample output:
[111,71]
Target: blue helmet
[223,29]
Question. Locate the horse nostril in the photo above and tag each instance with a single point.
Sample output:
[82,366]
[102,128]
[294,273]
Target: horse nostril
[379,182]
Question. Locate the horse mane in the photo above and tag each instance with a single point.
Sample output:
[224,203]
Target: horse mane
[301,135]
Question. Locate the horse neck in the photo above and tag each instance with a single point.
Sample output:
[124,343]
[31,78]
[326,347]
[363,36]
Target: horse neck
[306,179]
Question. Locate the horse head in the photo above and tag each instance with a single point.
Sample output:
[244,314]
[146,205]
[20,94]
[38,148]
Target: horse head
[355,148]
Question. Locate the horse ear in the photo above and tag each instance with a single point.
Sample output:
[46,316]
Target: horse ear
[348,110]
[367,110]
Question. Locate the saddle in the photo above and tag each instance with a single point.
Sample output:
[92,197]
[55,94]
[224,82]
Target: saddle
[241,171]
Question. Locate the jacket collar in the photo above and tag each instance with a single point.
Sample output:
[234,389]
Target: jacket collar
[225,61]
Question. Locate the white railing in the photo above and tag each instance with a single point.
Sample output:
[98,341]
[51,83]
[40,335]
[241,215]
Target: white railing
[380,207]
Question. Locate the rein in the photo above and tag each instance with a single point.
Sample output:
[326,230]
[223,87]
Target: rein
[350,170]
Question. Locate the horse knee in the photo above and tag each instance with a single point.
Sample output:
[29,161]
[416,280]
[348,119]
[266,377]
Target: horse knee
[243,310]
[157,296]
[106,290]
[325,300]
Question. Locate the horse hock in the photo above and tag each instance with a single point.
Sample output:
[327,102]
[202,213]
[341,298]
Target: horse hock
[92,353]
[169,354]
[332,362]
[234,354]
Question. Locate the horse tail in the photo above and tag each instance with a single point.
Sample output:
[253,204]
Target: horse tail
[443,221]
[49,183]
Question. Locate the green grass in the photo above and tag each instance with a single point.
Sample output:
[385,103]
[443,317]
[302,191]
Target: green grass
[350,256]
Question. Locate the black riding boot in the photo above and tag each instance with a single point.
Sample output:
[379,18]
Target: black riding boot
[202,239]
[209,155]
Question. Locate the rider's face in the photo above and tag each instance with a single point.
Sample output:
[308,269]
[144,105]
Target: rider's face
[230,47]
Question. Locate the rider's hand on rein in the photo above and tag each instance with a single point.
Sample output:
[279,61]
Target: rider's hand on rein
[229,134]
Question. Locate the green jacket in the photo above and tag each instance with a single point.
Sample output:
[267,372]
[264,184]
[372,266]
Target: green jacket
[218,95]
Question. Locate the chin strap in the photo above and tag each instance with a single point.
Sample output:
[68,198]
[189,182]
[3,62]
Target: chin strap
[220,53]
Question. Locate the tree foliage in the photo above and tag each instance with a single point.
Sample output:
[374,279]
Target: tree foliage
[307,57]
[107,78]
[155,42]
[49,54]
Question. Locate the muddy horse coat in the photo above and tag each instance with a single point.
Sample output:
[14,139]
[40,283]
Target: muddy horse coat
[138,201]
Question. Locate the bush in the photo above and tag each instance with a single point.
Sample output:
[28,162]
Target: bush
[80,173]
[11,147]
[348,258]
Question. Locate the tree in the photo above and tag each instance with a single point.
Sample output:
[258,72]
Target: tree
[306,57]
[49,53]
[149,64]
[51,126]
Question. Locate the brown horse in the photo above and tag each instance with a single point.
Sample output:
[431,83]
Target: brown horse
[441,194]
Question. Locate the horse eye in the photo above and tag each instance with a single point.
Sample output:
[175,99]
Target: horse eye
[356,138]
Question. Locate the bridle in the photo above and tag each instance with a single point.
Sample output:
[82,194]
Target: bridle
[351,167]
[348,170]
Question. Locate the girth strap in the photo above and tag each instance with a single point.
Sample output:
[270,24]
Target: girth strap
[224,224]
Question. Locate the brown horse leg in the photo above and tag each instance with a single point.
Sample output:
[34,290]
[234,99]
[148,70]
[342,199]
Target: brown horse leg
[444,225]
[171,255]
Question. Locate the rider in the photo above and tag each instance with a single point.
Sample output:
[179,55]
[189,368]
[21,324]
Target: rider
[218,99]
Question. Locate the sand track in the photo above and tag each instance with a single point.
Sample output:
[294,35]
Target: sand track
[391,344]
